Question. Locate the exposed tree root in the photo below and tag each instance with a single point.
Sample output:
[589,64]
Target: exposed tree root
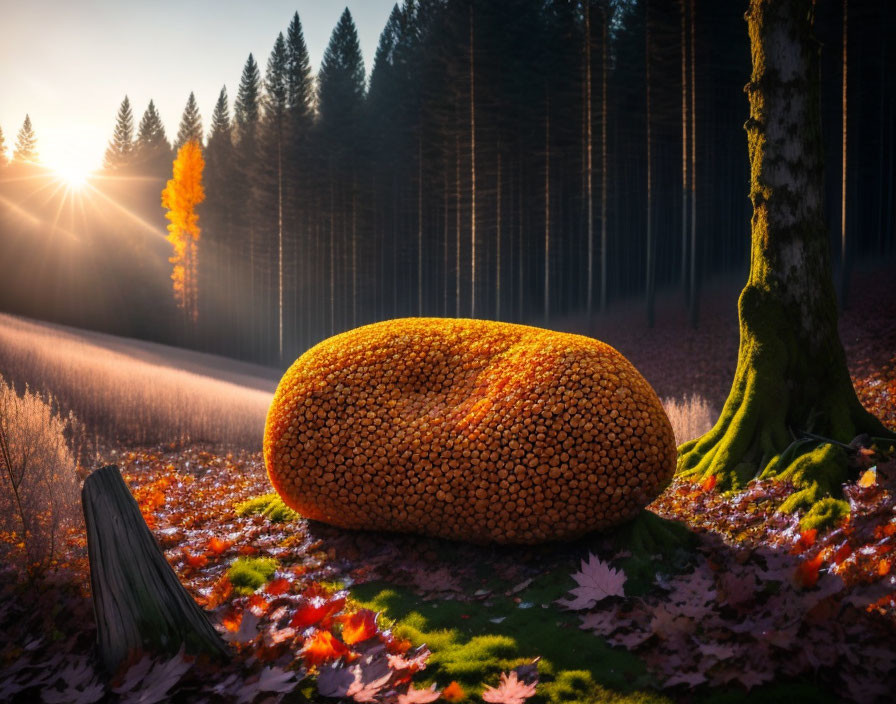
[790,415]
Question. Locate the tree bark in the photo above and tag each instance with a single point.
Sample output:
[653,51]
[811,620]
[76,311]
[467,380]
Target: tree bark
[547,206]
[589,294]
[684,149]
[692,288]
[844,262]
[138,601]
[603,162]
[649,274]
[791,376]
[472,172]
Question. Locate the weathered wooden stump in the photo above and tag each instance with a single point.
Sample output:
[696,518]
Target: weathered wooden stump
[138,601]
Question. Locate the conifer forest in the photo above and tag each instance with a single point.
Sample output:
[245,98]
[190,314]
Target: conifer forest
[522,161]
[456,351]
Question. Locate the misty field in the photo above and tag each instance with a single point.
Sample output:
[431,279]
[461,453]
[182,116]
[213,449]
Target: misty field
[139,393]
[136,393]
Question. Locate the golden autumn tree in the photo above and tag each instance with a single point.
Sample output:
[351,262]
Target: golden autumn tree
[181,196]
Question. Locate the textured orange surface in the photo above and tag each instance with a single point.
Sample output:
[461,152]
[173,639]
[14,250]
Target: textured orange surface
[467,429]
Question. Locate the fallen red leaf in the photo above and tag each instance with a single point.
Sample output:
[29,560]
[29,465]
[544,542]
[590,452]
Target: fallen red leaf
[315,612]
[806,541]
[258,603]
[278,586]
[321,647]
[843,552]
[807,572]
[359,626]
[709,483]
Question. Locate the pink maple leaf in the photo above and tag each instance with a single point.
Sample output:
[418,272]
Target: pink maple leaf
[362,691]
[419,696]
[510,690]
[597,581]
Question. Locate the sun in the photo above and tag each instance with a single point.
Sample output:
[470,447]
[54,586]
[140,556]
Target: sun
[73,176]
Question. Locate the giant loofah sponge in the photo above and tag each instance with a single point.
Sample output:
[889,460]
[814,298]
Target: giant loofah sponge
[467,429]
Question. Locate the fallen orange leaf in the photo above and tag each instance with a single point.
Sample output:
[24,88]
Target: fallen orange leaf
[321,647]
[453,693]
[806,541]
[195,561]
[231,620]
[218,546]
[709,483]
[359,626]
[258,604]
[869,478]
[396,646]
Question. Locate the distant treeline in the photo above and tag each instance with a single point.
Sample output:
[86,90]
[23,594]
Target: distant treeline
[521,160]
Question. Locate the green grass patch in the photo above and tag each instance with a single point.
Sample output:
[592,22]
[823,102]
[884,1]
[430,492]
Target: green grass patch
[269,505]
[249,573]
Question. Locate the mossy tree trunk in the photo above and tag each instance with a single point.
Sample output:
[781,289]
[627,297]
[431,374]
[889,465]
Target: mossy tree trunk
[791,375]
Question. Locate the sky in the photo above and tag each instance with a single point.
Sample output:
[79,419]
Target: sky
[69,63]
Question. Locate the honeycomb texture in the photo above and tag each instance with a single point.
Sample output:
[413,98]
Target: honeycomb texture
[469,430]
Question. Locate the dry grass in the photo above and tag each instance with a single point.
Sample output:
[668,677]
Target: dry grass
[135,393]
[691,417]
[38,480]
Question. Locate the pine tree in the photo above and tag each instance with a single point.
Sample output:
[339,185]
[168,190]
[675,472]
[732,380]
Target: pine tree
[341,80]
[246,113]
[220,136]
[3,159]
[298,71]
[120,152]
[298,176]
[276,104]
[246,110]
[151,149]
[26,143]
[190,125]
[218,261]
[340,101]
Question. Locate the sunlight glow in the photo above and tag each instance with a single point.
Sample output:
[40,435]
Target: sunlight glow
[73,175]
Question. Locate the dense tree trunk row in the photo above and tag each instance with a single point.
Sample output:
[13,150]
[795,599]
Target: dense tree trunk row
[460,179]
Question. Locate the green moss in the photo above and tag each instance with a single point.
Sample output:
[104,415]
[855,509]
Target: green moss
[817,474]
[269,505]
[826,513]
[579,687]
[473,642]
[576,666]
[249,573]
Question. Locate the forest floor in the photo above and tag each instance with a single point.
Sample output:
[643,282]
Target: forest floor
[742,605]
